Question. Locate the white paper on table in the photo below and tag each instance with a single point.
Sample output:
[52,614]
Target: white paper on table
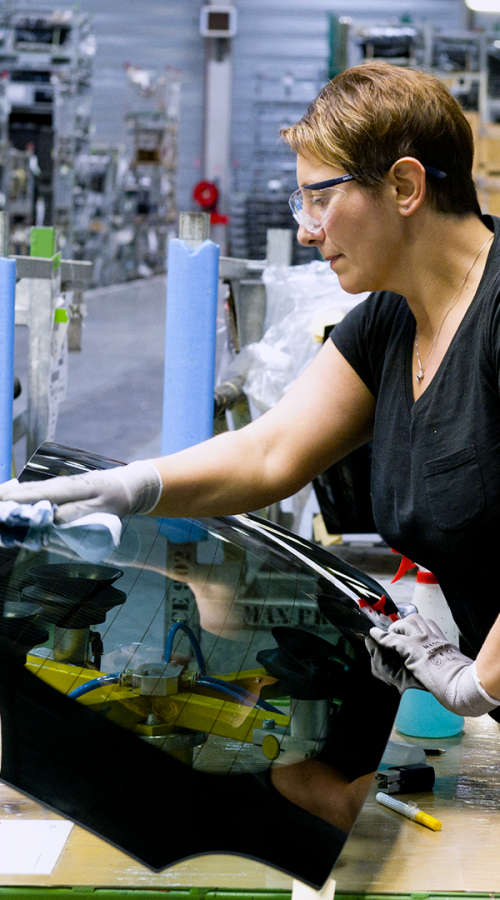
[31,847]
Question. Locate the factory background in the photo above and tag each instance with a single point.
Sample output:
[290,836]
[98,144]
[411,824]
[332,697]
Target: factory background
[115,118]
[278,57]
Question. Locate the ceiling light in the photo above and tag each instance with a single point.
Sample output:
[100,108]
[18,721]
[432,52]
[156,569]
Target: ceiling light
[489,6]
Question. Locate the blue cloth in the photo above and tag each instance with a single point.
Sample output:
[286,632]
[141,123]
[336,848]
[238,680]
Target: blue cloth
[27,525]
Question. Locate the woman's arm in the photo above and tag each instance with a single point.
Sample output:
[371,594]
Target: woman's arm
[488,662]
[327,413]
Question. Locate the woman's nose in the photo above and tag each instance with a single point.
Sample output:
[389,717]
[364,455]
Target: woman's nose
[308,238]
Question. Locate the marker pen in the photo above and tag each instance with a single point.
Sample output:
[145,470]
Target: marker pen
[411,812]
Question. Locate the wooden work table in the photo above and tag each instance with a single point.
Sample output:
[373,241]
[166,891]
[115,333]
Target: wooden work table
[385,853]
[389,853]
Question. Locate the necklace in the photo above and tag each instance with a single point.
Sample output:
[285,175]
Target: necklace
[422,365]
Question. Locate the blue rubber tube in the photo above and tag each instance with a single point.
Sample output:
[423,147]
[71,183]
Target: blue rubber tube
[226,689]
[244,696]
[93,685]
[237,693]
[181,626]
[7,317]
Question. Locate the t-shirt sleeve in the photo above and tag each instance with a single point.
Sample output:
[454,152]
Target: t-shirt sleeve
[363,334]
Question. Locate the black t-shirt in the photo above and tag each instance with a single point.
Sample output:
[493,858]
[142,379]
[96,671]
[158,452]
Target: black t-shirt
[436,461]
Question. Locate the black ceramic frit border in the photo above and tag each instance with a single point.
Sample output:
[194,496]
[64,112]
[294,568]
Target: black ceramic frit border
[153,807]
[141,800]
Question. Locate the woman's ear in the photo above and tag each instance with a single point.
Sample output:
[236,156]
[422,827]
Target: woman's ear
[406,179]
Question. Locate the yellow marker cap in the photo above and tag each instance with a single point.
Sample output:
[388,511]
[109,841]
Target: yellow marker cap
[429,821]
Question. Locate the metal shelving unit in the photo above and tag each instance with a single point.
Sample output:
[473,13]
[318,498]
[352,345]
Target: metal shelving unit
[260,197]
[47,60]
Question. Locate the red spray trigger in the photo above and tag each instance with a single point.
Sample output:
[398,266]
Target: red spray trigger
[404,566]
[379,607]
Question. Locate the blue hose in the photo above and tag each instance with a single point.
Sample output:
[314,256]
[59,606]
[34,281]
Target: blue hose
[268,707]
[192,639]
[237,693]
[94,685]
[223,688]
[243,696]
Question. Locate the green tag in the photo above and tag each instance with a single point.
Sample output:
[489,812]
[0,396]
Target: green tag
[61,315]
[42,241]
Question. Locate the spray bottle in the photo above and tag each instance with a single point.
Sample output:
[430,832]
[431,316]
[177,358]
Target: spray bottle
[419,713]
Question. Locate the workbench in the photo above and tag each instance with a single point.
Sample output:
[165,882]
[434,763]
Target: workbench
[386,853]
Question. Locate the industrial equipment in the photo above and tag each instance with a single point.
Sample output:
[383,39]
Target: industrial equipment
[145,214]
[262,186]
[174,676]
[46,58]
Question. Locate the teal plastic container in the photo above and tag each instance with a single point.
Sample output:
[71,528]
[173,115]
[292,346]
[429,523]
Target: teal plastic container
[421,715]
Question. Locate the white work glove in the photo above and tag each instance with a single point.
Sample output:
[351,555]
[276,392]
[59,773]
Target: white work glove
[437,664]
[388,666]
[122,491]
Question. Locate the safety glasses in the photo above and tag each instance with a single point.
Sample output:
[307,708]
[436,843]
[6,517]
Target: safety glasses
[314,204]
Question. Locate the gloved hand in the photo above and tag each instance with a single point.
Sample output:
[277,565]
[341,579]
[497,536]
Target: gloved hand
[124,490]
[388,666]
[437,664]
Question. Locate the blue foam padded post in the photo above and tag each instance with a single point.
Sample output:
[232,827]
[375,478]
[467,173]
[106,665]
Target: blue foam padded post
[188,399]
[7,317]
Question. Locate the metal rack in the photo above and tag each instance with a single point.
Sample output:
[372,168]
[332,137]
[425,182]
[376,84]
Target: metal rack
[47,57]
[97,182]
[146,208]
[464,60]
[47,294]
[261,188]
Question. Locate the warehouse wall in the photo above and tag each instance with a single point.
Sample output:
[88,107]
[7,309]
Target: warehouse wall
[150,34]
[275,37]
[281,37]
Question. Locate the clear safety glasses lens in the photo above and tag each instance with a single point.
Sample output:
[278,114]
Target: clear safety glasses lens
[313,209]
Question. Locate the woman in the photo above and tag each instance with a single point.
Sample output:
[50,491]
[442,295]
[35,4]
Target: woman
[384,159]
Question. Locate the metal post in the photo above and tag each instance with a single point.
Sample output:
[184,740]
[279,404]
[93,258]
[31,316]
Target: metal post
[250,311]
[4,234]
[278,253]
[194,228]
[7,317]
[217,117]
[279,246]
[42,303]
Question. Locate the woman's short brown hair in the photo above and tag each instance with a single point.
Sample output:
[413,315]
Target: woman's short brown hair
[373,114]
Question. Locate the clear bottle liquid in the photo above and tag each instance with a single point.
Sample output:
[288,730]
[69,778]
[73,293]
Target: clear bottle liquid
[419,713]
